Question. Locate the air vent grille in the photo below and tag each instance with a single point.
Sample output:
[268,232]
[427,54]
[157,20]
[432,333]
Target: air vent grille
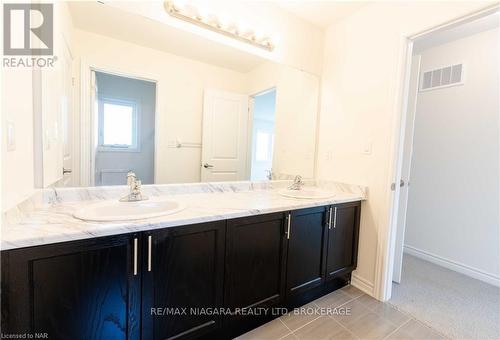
[442,77]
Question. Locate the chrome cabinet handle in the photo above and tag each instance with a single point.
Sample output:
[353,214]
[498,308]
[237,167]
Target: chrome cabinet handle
[288,229]
[208,166]
[335,219]
[135,256]
[150,241]
[330,214]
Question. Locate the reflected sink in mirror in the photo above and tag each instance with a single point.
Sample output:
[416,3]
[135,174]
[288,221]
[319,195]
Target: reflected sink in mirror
[127,211]
[307,194]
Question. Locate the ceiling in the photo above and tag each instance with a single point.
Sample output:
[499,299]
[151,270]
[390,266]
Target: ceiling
[321,13]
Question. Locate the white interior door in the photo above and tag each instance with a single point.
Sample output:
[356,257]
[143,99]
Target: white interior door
[225,131]
[405,171]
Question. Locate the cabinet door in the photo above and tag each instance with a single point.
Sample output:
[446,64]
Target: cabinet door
[343,239]
[255,272]
[87,289]
[183,276]
[306,250]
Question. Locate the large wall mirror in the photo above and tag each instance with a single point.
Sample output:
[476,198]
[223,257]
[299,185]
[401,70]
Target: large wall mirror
[131,94]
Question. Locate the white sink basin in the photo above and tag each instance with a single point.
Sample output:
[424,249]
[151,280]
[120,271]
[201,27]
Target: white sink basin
[127,211]
[307,194]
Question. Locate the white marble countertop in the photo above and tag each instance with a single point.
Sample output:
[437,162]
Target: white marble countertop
[48,216]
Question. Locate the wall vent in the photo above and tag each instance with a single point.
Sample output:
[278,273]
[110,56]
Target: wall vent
[442,77]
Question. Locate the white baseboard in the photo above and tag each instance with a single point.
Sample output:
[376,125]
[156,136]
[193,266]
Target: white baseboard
[362,284]
[453,265]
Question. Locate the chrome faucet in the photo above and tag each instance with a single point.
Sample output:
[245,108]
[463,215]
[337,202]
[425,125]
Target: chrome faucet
[297,183]
[135,193]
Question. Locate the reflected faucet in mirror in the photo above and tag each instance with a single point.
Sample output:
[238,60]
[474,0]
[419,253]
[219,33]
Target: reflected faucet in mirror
[297,183]
[135,193]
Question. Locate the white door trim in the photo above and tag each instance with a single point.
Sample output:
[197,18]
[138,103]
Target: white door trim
[387,237]
[86,119]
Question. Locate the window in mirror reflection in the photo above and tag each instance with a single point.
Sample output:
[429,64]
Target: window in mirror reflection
[118,125]
[263,122]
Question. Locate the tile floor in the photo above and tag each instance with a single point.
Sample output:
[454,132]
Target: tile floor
[323,319]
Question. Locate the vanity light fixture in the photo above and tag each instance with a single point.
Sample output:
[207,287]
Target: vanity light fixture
[211,22]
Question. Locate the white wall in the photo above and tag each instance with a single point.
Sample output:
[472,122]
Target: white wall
[362,75]
[453,204]
[297,105]
[17,108]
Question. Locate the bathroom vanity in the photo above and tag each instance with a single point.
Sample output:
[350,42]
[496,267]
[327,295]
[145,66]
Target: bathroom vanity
[183,280]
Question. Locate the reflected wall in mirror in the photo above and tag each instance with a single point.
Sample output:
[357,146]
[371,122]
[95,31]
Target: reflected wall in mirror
[171,111]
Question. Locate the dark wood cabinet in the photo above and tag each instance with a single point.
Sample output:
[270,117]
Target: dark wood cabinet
[173,283]
[343,239]
[306,253]
[183,273]
[255,267]
[75,290]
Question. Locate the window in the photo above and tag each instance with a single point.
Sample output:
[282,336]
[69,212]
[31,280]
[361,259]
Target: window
[118,125]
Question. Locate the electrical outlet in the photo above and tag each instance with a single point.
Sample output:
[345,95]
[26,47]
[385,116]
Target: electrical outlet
[11,136]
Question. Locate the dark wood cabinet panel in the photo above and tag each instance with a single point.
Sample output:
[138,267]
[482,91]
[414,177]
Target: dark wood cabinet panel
[185,279]
[343,239]
[77,290]
[255,266]
[306,250]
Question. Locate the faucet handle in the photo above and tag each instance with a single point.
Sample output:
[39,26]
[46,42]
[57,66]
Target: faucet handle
[298,179]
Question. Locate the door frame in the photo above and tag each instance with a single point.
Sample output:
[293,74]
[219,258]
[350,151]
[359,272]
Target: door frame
[87,121]
[385,258]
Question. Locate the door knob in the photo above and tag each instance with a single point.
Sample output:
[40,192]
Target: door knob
[207,166]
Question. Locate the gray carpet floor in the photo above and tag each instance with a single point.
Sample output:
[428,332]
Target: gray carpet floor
[456,305]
